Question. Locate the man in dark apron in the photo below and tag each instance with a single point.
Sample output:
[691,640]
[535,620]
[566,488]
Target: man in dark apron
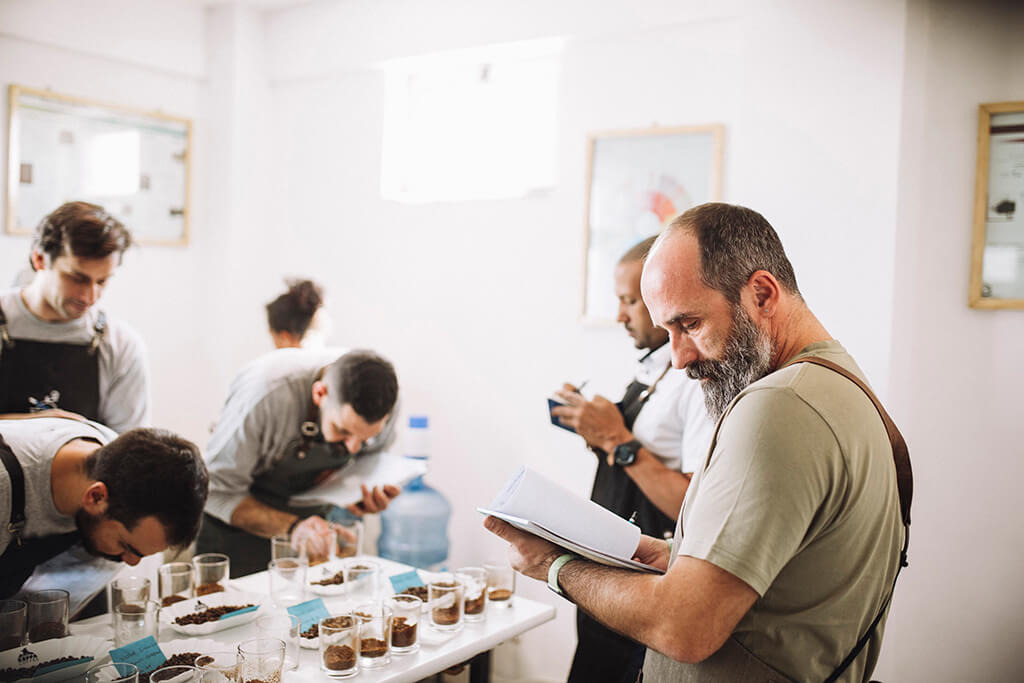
[794,527]
[639,475]
[292,418]
[66,481]
[57,351]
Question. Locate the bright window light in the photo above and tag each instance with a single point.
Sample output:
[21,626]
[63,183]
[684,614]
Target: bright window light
[113,164]
[474,124]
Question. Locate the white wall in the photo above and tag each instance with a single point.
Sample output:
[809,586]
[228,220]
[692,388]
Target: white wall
[957,372]
[850,125]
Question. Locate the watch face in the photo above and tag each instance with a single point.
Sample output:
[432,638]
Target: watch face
[625,453]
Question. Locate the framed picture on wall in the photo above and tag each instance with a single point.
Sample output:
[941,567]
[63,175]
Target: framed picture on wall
[637,182]
[997,248]
[135,164]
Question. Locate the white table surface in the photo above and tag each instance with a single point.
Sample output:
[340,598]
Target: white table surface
[437,651]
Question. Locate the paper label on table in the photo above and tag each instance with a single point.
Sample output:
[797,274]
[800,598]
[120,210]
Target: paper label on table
[407,580]
[250,608]
[61,665]
[144,653]
[309,612]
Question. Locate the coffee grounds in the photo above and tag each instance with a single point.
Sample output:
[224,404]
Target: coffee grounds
[10,642]
[132,609]
[499,594]
[335,580]
[419,591]
[339,657]
[17,674]
[446,616]
[171,599]
[207,588]
[402,633]
[47,630]
[372,648]
[207,615]
[180,659]
[338,622]
[311,632]
[475,605]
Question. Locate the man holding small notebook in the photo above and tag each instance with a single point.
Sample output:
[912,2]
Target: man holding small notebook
[793,531]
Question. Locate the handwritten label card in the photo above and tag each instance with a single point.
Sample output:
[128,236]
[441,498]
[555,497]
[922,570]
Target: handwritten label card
[144,653]
[407,580]
[309,612]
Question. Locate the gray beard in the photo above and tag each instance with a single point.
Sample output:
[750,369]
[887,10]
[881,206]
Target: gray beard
[746,358]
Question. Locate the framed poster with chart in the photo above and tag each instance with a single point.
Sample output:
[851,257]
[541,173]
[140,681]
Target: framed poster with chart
[637,182]
[997,247]
[135,164]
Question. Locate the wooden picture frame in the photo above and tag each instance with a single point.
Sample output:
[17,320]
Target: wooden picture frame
[997,245]
[637,182]
[134,163]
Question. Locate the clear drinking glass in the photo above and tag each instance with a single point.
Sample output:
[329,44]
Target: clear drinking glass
[445,598]
[177,674]
[474,587]
[374,634]
[212,573]
[176,582]
[501,584]
[260,660]
[218,667]
[287,577]
[136,620]
[281,546]
[405,620]
[362,578]
[116,672]
[339,645]
[128,589]
[47,614]
[13,624]
[349,538]
[284,627]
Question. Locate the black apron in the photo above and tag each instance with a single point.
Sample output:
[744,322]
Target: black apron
[38,375]
[23,555]
[602,654]
[308,461]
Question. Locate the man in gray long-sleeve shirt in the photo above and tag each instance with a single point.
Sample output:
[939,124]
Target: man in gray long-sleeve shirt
[292,418]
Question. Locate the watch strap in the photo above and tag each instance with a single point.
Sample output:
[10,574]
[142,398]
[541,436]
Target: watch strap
[556,567]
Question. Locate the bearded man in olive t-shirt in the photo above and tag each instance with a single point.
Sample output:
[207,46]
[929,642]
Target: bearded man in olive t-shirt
[790,535]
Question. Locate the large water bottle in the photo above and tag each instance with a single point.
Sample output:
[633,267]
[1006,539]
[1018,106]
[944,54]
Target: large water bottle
[414,527]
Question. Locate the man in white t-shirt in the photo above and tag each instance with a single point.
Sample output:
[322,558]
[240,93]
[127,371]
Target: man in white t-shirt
[648,445]
[57,350]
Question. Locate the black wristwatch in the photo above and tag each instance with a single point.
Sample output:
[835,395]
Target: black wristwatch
[625,453]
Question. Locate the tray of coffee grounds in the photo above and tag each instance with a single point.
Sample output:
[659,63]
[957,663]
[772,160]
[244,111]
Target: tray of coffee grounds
[310,638]
[53,660]
[419,591]
[213,612]
[327,580]
[180,659]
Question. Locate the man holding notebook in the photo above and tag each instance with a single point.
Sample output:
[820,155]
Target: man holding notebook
[792,533]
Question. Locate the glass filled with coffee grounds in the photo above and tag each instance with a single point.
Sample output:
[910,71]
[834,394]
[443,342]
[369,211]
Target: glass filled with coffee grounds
[374,634]
[175,582]
[260,660]
[115,672]
[444,600]
[212,573]
[13,624]
[47,614]
[405,621]
[501,584]
[339,645]
[474,588]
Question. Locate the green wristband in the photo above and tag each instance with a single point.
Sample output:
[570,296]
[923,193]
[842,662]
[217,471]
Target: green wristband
[556,567]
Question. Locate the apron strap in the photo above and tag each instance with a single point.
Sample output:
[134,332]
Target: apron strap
[99,330]
[17,522]
[905,487]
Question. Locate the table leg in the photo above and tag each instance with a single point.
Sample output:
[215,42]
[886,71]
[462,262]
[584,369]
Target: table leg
[480,668]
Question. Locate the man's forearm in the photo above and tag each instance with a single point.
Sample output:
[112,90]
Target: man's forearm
[260,519]
[664,487]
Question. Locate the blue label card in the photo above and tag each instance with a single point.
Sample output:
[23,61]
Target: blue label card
[61,665]
[144,653]
[250,608]
[407,580]
[309,612]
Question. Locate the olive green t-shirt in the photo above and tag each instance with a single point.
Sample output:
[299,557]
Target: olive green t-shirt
[798,498]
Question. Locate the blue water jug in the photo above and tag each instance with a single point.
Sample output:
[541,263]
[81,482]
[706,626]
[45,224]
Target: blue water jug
[414,527]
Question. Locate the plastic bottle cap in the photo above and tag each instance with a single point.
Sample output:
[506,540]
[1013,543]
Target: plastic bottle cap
[418,422]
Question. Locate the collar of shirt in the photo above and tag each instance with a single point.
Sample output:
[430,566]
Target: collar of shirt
[650,366]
